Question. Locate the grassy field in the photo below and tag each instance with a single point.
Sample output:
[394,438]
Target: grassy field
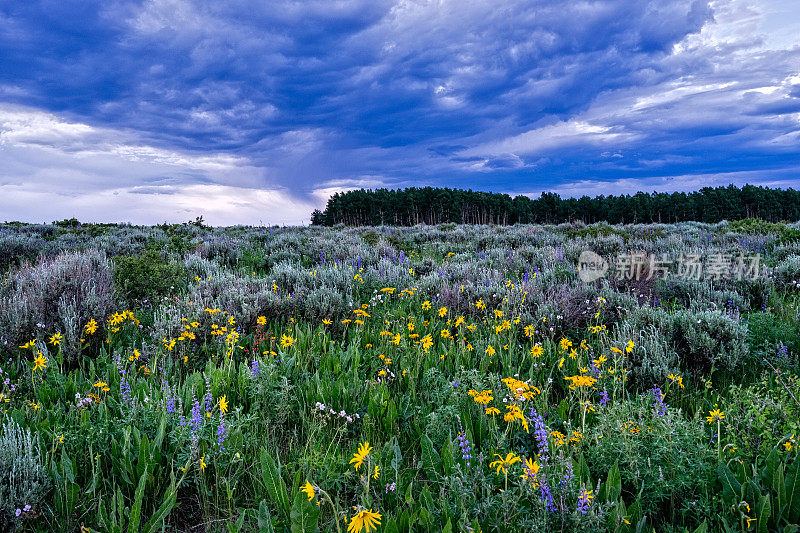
[450,378]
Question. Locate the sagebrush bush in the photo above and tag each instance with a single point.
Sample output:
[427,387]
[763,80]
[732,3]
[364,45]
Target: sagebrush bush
[56,295]
[694,341]
[788,270]
[24,482]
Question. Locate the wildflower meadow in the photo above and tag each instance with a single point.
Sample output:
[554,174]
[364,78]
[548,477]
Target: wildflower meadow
[431,378]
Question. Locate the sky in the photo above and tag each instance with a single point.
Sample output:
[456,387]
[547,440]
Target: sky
[256,112]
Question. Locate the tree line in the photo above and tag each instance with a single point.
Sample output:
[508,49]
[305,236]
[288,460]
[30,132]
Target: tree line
[431,205]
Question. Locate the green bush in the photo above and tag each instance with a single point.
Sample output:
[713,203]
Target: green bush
[148,276]
[664,460]
[760,416]
[766,331]
[755,226]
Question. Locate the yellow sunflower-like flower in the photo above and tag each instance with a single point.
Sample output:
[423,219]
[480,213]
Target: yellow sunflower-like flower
[40,362]
[364,520]
[531,468]
[358,457]
[504,463]
[286,341]
[309,489]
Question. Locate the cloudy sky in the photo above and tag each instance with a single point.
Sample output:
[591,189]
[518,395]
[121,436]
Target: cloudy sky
[254,112]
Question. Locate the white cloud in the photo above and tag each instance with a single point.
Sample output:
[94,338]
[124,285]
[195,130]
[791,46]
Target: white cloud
[557,136]
[54,169]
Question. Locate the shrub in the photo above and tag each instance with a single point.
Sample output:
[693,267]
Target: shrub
[788,270]
[24,482]
[57,295]
[695,341]
[755,226]
[766,332]
[761,416]
[663,459]
[147,276]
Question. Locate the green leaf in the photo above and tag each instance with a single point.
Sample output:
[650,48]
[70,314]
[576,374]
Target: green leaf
[136,510]
[447,458]
[66,466]
[409,498]
[448,527]
[426,499]
[264,518]
[582,470]
[731,488]
[612,489]
[404,521]
[773,463]
[237,527]
[304,515]
[276,488]
[779,485]
[166,507]
[793,492]
[702,528]
[430,459]
[391,416]
[763,513]
[390,526]
[397,458]
[635,513]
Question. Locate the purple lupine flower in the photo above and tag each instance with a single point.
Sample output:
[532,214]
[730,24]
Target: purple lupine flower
[170,403]
[222,433]
[547,496]
[658,401]
[540,433]
[584,501]
[569,474]
[254,368]
[604,399]
[465,446]
[783,351]
[125,390]
[197,419]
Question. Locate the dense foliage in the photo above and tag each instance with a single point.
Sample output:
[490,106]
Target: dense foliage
[436,206]
[450,378]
